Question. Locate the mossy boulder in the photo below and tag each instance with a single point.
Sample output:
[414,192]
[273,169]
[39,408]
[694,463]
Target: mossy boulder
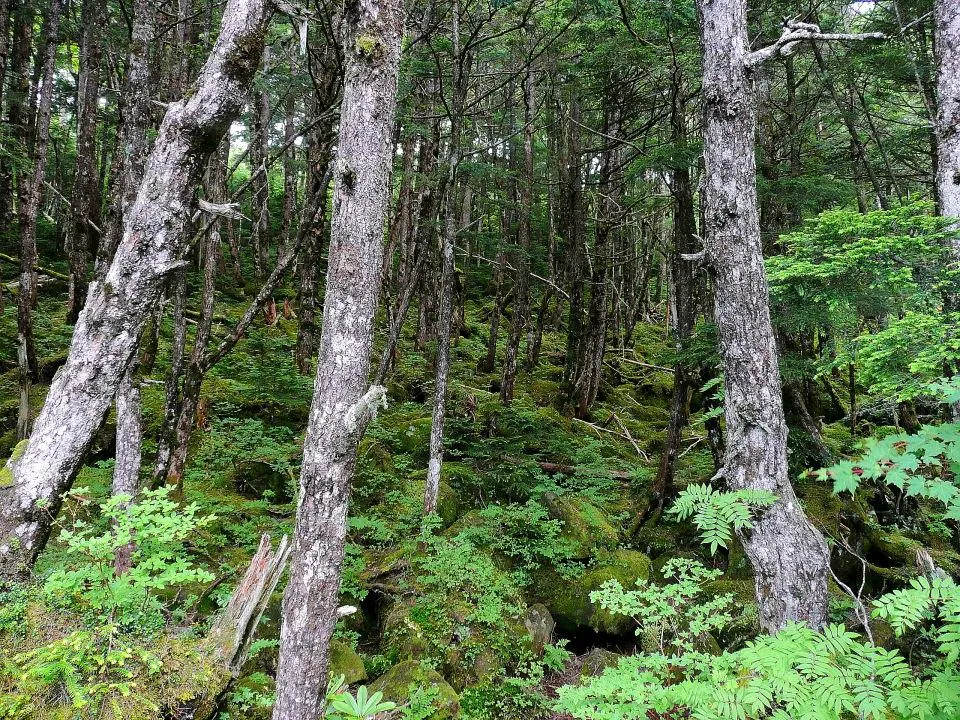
[345,661]
[598,660]
[539,624]
[568,599]
[585,527]
[404,637]
[449,506]
[396,682]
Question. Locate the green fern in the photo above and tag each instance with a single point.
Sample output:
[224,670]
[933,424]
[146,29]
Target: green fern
[717,514]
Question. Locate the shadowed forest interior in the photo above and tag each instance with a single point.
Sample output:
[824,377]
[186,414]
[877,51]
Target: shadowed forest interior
[480,359]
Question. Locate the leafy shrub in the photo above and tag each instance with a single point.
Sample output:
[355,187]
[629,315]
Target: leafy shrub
[154,529]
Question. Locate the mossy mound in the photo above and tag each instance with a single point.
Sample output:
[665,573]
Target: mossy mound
[569,599]
[345,661]
[598,660]
[585,526]
[396,683]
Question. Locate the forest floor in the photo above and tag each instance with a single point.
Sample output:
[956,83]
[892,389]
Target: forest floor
[535,513]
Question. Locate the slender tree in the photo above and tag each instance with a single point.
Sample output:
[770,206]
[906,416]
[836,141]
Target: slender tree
[30,191]
[342,403]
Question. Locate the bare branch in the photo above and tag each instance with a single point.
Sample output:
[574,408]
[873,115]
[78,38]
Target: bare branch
[797,32]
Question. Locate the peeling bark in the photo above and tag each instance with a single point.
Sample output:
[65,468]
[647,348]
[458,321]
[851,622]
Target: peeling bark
[153,245]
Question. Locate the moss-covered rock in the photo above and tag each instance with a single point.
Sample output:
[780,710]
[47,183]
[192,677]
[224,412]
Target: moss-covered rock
[598,660]
[449,507]
[585,526]
[404,637]
[539,624]
[345,661]
[568,599]
[395,684]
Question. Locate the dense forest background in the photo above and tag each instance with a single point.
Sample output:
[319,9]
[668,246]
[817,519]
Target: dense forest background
[479,358]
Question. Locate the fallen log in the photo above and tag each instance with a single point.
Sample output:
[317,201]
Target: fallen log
[551,467]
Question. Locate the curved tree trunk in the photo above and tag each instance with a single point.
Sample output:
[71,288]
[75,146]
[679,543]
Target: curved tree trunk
[789,557]
[342,404]
[153,245]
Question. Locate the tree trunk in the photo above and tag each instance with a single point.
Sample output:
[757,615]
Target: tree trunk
[30,192]
[683,278]
[342,405]
[521,302]
[789,556]
[444,324]
[17,95]
[81,233]
[260,187]
[126,471]
[289,170]
[153,245]
[947,50]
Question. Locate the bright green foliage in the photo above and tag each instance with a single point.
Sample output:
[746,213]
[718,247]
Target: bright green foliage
[798,673]
[904,359]
[872,285]
[923,464]
[454,567]
[715,512]
[524,533]
[844,267]
[102,673]
[677,615]
[925,601]
[155,529]
[342,705]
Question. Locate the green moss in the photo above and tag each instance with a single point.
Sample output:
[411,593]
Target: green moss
[585,526]
[449,507]
[6,474]
[345,661]
[368,46]
[569,599]
[598,660]
[396,684]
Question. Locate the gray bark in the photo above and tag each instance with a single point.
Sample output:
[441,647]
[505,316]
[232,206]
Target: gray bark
[342,404]
[126,471]
[153,244]
[947,45]
[444,331]
[789,556]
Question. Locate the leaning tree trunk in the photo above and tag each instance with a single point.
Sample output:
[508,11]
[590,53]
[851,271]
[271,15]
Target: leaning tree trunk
[134,145]
[105,339]
[342,404]
[788,554]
